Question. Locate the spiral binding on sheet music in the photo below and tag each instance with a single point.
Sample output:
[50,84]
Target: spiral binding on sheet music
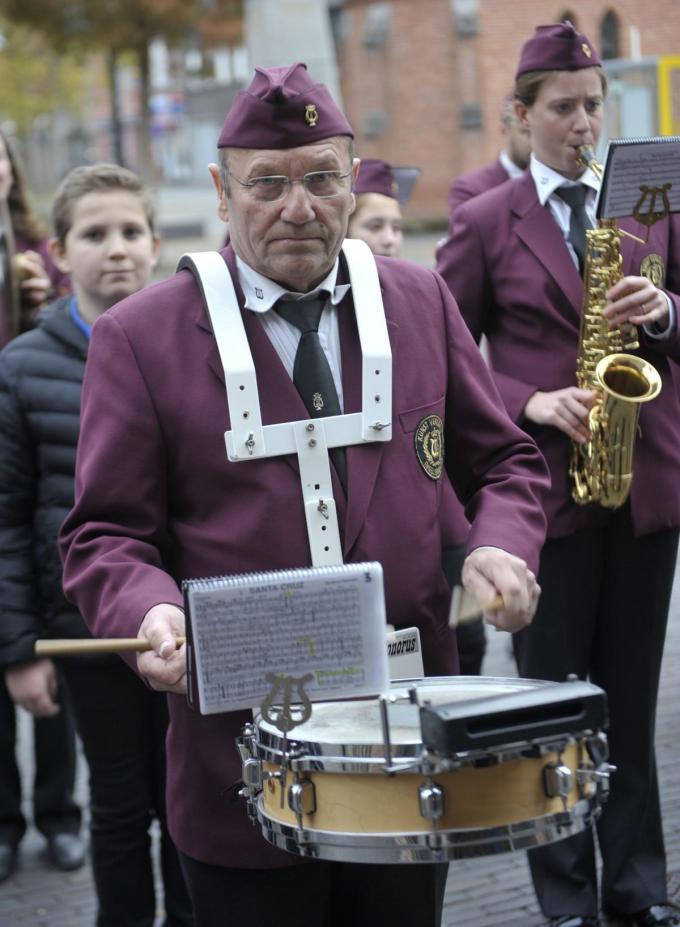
[289,574]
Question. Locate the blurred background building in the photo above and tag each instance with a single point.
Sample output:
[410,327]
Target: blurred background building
[422,81]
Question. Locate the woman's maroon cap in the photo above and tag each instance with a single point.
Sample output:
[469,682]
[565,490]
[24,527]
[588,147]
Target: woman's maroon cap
[282,108]
[378,176]
[557,47]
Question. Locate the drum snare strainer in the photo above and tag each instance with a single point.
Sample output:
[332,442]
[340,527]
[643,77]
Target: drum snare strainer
[440,769]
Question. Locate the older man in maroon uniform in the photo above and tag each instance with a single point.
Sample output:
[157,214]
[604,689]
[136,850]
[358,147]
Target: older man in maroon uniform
[158,501]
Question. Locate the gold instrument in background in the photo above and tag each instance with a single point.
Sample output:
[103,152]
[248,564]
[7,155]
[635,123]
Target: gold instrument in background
[601,470]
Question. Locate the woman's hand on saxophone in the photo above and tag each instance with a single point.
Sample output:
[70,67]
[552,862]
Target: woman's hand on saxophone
[566,409]
[636,300]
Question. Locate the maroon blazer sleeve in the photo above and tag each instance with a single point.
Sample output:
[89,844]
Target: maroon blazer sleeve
[113,540]
[495,467]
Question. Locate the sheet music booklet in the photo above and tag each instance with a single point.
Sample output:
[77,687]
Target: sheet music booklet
[327,621]
[634,163]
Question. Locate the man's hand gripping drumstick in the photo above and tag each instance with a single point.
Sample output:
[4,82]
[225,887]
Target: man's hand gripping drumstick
[504,587]
[160,645]
[164,665]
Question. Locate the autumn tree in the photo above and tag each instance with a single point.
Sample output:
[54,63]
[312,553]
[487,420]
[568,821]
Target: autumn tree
[115,27]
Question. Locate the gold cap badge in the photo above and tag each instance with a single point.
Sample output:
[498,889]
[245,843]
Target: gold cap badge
[311,115]
[585,48]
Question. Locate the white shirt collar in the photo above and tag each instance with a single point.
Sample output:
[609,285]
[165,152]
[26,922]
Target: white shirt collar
[509,165]
[261,293]
[547,180]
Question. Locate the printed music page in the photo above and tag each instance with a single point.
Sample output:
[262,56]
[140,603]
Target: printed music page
[640,173]
[328,622]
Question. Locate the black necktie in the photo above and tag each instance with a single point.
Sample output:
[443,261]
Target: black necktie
[575,198]
[311,372]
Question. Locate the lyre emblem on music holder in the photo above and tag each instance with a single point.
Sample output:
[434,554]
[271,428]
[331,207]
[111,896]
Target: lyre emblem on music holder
[652,215]
[317,401]
[287,711]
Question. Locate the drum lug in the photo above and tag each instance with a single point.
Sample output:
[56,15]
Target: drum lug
[252,775]
[302,797]
[601,769]
[558,781]
[599,775]
[431,801]
[245,743]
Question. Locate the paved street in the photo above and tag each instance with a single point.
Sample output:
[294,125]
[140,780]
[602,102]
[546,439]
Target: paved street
[480,893]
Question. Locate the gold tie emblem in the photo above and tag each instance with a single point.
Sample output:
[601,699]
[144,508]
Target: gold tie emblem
[311,115]
[317,401]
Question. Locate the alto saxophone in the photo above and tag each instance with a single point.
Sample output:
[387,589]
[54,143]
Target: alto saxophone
[601,470]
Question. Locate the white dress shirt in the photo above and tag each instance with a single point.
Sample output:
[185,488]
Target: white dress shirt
[261,294]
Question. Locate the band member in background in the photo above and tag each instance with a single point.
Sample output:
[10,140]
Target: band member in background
[511,162]
[512,264]
[381,192]
[172,506]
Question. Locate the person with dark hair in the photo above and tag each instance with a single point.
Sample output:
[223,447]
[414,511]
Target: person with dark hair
[514,263]
[104,239]
[32,278]
[27,277]
[173,506]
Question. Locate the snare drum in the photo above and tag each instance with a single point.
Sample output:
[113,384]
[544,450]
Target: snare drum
[523,764]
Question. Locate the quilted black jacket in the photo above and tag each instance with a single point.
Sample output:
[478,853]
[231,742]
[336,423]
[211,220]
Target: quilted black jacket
[41,375]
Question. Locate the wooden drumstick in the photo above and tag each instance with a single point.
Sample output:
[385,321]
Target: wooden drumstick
[465,607]
[85,645]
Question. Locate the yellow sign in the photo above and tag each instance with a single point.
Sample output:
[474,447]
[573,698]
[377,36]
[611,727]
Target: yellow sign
[668,70]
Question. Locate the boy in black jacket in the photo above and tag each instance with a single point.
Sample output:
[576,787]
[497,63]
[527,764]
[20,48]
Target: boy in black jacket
[105,240]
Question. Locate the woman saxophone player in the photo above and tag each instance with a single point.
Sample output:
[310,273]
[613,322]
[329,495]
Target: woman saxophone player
[513,263]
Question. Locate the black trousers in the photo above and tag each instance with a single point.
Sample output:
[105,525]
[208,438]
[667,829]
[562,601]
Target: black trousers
[122,724]
[603,615]
[317,894]
[54,753]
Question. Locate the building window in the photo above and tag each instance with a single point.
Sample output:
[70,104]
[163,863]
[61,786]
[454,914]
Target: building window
[609,36]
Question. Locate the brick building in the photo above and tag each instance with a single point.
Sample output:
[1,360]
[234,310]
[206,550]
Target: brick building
[422,80]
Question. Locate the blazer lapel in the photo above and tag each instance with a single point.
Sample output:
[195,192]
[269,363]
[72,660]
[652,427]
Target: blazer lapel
[538,230]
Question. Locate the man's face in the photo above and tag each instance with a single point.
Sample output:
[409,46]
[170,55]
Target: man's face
[296,239]
[566,114]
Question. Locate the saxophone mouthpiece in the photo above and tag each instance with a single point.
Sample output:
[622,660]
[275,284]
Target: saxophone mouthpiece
[586,158]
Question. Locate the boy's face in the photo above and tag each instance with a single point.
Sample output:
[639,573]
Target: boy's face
[109,250]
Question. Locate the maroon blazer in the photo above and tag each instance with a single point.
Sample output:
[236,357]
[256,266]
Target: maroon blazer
[472,183]
[510,271]
[157,501]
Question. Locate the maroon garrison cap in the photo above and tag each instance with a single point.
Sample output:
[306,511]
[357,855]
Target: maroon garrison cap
[557,47]
[282,108]
[378,176]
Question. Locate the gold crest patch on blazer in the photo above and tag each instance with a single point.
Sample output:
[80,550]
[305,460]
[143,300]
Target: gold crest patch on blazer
[654,269]
[429,442]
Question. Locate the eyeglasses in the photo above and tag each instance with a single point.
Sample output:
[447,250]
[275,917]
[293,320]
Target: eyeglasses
[320,184]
